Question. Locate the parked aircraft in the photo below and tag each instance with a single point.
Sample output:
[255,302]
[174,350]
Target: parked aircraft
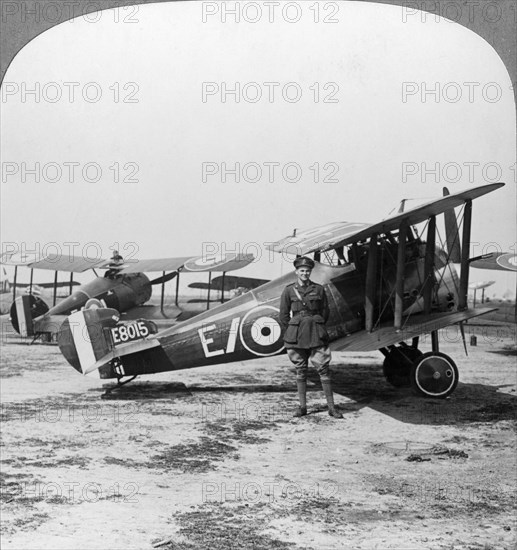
[386,285]
[124,287]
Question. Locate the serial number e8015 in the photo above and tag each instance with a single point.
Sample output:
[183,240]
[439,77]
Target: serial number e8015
[129,332]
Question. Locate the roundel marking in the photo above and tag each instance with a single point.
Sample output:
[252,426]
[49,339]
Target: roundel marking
[201,263]
[260,332]
[209,260]
[508,261]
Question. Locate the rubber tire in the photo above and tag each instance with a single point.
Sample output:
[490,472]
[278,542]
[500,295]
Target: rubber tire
[397,368]
[419,376]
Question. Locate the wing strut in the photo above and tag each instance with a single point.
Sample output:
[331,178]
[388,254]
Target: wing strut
[340,251]
[222,287]
[177,288]
[371,271]
[429,264]
[209,287]
[71,280]
[30,283]
[163,292]
[399,284]
[14,282]
[452,235]
[55,289]
[465,249]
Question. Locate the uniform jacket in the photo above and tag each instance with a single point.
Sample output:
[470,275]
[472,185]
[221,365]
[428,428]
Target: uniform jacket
[310,311]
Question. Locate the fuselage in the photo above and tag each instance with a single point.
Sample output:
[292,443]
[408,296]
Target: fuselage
[120,292]
[248,327]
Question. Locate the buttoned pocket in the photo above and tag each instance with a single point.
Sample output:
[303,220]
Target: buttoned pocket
[291,332]
[323,335]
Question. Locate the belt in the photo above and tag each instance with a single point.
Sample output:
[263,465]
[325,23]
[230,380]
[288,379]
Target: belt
[304,313]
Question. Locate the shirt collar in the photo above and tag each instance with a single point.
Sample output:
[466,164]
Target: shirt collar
[300,286]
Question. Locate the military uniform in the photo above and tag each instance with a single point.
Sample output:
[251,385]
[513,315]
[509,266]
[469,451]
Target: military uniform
[305,335]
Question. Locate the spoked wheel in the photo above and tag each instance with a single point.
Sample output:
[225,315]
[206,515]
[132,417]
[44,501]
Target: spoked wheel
[398,363]
[434,375]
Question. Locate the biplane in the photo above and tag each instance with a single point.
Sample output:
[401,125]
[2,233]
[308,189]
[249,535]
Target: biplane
[6,286]
[124,287]
[500,261]
[40,289]
[480,285]
[387,284]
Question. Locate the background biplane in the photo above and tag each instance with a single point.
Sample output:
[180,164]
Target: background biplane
[385,285]
[500,261]
[124,287]
[480,285]
[40,289]
[7,286]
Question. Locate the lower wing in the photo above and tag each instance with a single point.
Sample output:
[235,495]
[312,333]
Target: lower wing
[386,335]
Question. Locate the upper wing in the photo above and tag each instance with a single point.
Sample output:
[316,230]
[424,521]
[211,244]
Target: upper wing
[317,238]
[218,262]
[161,264]
[344,233]
[502,261]
[53,262]
[386,335]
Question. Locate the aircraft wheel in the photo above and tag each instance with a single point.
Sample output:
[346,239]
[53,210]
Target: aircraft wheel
[434,375]
[397,365]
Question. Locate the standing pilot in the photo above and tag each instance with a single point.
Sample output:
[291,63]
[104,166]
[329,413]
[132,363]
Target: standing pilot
[305,335]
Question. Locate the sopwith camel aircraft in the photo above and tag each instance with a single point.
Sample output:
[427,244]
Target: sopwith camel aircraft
[124,287]
[386,285]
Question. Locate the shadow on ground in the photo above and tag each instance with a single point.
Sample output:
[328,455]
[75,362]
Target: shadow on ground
[363,386]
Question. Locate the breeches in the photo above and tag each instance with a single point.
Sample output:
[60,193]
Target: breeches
[320,359]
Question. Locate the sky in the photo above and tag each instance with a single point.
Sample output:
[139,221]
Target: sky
[131,136]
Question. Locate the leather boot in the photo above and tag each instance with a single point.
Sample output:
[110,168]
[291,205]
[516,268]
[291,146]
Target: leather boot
[302,391]
[327,389]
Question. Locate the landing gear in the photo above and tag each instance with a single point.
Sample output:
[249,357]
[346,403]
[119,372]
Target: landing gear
[398,363]
[108,392]
[434,374]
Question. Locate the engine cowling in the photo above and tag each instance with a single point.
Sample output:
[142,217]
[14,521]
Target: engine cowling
[121,293]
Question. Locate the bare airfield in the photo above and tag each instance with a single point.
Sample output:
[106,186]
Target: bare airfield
[211,458]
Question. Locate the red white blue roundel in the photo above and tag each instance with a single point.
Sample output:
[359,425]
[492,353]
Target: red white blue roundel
[260,331]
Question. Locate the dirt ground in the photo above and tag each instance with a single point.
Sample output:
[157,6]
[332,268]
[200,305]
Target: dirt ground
[211,458]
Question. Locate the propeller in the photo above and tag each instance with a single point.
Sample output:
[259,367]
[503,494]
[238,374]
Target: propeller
[164,278]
